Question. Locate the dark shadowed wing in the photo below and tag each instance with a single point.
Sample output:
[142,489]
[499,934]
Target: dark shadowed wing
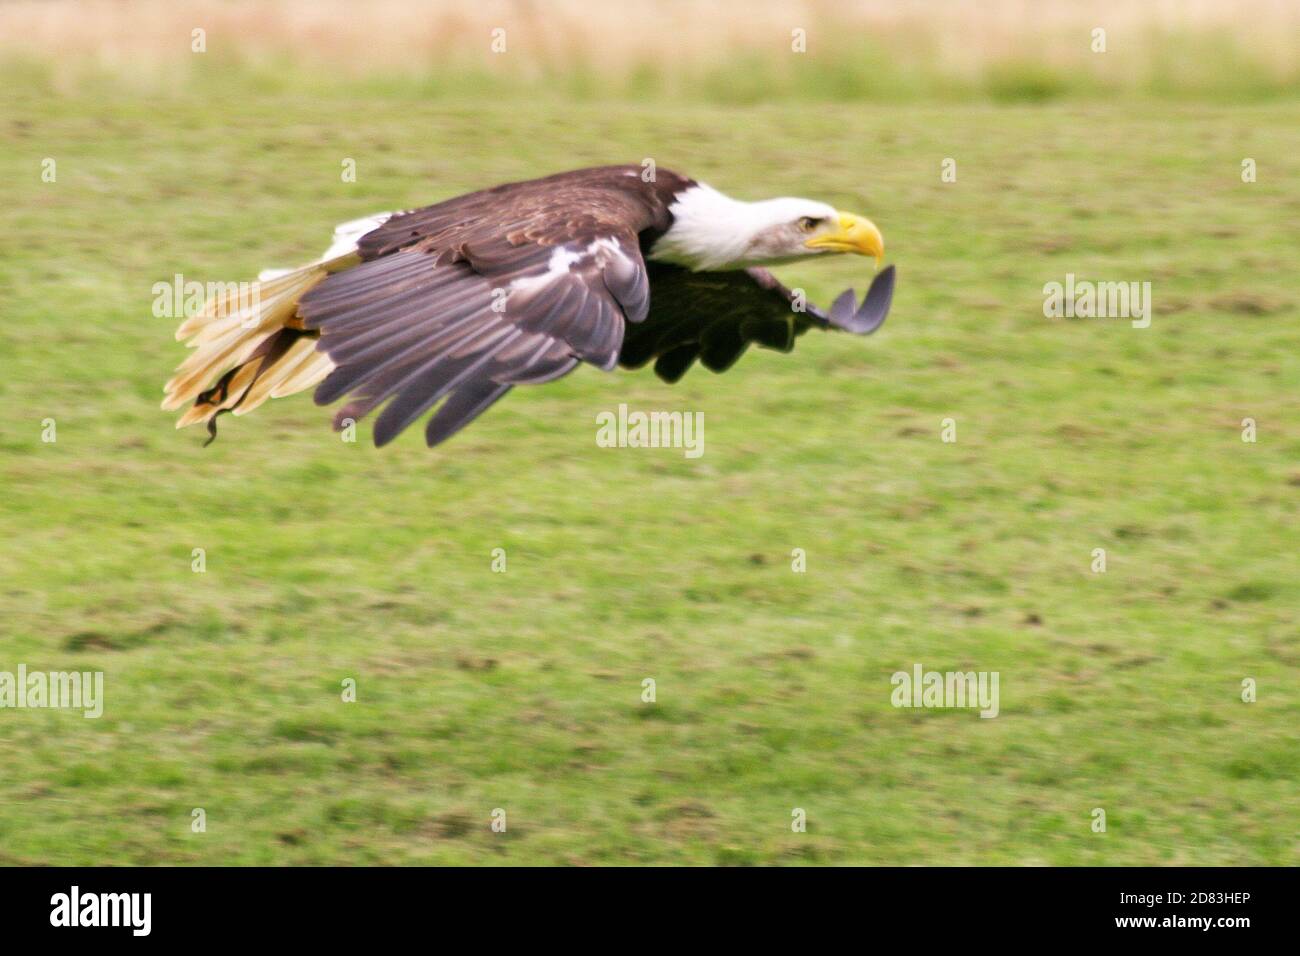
[465,299]
[715,316]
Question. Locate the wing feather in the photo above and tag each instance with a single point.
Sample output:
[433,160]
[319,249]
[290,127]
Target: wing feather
[420,391]
[716,316]
[418,325]
[462,407]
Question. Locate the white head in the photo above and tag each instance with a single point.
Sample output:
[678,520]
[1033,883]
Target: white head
[713,232]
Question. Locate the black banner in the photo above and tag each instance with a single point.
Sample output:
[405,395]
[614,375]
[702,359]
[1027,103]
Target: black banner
[331,905]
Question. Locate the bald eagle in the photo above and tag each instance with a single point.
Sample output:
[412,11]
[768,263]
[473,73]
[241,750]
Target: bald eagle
[460,301]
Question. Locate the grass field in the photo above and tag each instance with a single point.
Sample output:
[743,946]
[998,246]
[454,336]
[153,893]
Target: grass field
[522,690]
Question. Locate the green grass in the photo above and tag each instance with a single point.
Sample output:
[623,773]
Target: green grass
[521,690]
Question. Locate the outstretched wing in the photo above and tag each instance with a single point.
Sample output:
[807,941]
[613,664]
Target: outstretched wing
[715,316]
[464,300]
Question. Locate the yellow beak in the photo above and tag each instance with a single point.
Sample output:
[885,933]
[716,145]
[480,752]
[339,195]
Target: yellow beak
[854,234]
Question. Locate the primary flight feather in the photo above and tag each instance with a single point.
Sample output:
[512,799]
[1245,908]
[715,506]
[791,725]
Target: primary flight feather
[458,302]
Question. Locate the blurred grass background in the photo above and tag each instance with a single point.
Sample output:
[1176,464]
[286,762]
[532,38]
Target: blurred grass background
[521,690]
[1006,50]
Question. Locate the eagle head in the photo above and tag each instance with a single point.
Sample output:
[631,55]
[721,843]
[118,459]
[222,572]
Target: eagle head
[713,232]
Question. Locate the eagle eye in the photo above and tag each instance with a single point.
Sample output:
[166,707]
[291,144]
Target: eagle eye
[808,223]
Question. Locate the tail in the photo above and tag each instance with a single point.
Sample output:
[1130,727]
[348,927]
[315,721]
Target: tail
[247,348]
[249,344]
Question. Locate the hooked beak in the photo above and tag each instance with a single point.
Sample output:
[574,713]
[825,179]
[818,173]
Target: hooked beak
[853,234]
